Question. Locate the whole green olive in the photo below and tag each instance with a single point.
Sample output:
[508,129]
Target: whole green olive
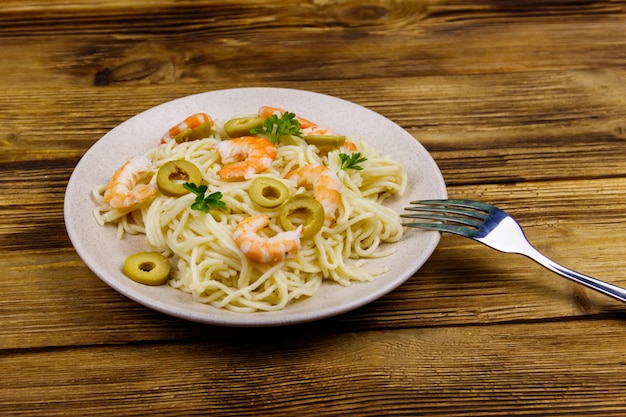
[200,132]
[241,126]
[325,140]
[268,192]
[173,174]
[150,268]
[303,210]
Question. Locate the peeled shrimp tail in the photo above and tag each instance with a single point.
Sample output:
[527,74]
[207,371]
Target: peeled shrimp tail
[325,184]
[281,246]
[245,156]
[267,111]
[124,190]
[188,128]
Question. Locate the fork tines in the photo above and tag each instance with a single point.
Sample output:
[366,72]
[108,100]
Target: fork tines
[456,216]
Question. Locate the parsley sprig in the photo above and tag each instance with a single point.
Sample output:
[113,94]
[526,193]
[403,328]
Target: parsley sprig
[275,127]
[205,202]
[351,161]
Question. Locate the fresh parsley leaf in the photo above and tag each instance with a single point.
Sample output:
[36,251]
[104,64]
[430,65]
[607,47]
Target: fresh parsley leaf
[351,161]
[197,190]
[214,200]
[202,202]
[275,127]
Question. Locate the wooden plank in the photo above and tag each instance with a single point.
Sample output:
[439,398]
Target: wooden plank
[454,371]
[46,284]
[205,42]
[488,139]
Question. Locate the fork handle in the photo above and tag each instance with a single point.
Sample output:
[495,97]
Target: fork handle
[611,290]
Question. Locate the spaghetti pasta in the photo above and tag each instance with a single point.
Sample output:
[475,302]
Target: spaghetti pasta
[207,262]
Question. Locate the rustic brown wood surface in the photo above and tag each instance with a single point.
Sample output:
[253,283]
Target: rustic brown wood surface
[521,103]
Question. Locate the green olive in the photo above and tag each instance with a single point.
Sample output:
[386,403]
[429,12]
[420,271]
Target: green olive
[200,132]
[173,174]
[150,268]
[241,126]
[325,140]
[268,192]
[302,210]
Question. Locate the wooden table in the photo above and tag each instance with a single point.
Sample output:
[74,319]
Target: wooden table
[522,104]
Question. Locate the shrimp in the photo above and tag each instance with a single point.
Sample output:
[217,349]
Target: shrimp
[267,111]
[283,245]
[325,184]
[187,126]
[245,156]
[316,130]
[307,126]
[124,190]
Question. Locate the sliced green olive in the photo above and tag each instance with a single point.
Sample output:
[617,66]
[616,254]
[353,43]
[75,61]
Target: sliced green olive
[241,126]
[202,131]
[325,140]
[173,174]
[302,210]
[268,192]
[150,268]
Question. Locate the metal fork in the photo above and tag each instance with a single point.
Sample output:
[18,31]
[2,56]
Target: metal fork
[493,227]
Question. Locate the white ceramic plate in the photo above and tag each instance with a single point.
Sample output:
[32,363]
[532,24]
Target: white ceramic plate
[104,254]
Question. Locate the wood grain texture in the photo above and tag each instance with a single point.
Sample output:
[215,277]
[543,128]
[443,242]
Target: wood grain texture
[449,371]
[521,103]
